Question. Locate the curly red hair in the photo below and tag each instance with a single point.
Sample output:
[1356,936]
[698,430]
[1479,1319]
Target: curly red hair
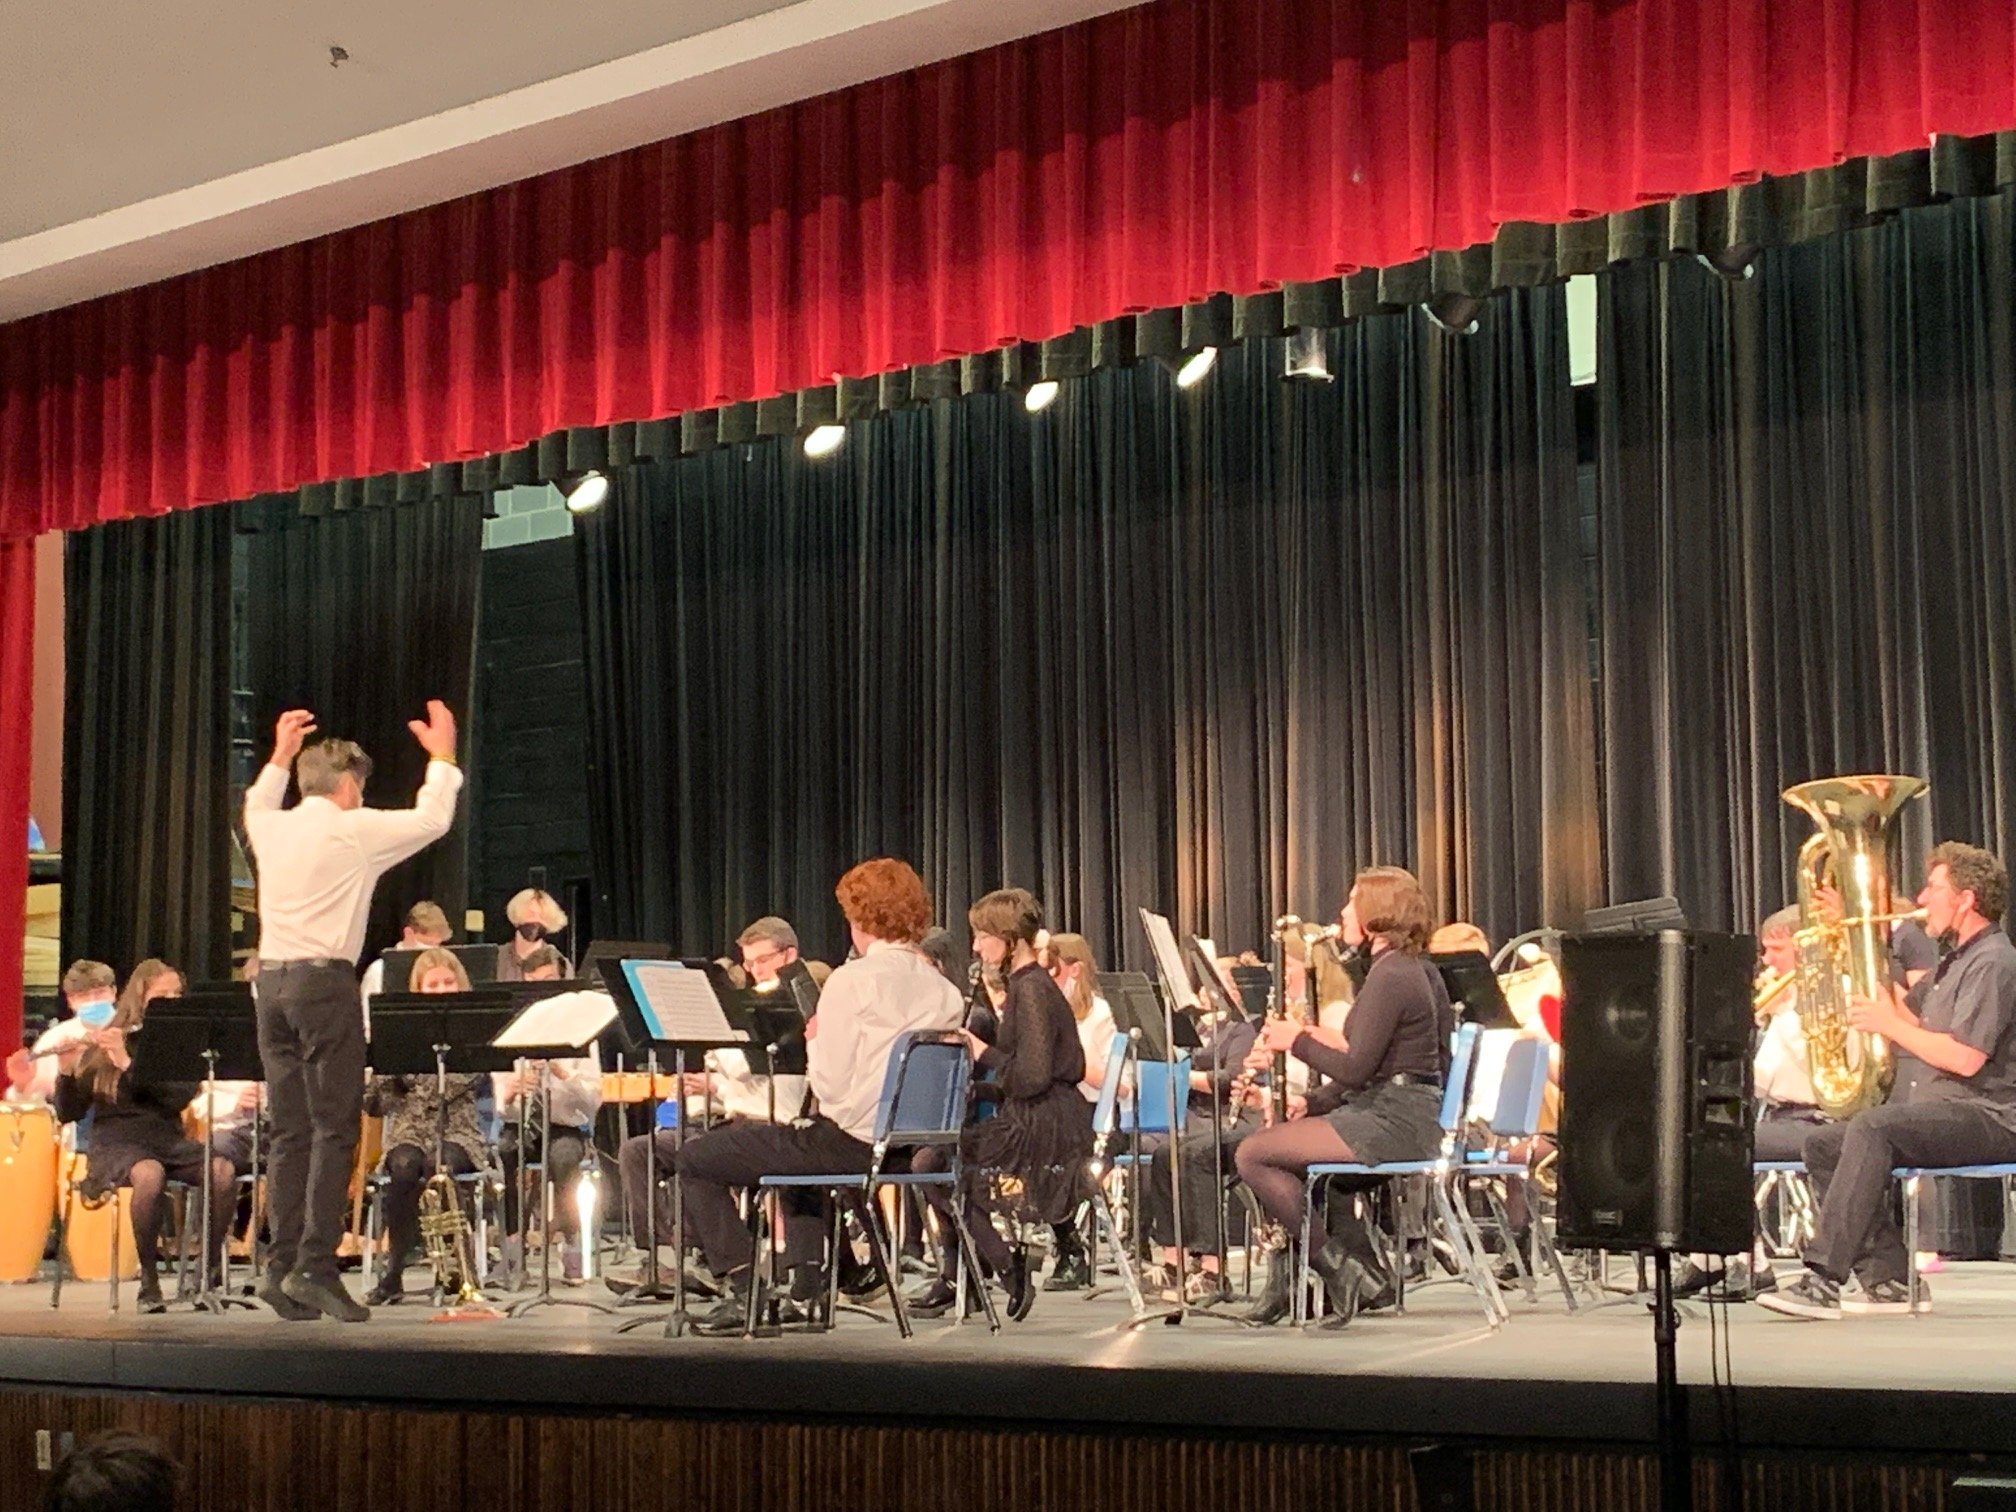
[886,898]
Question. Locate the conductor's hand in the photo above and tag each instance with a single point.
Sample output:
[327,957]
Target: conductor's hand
[436,733]
[295,726]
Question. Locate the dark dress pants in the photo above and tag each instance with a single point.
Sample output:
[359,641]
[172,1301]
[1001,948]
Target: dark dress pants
[311,1041]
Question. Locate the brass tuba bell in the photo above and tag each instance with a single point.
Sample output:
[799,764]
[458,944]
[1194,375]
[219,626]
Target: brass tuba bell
[1847,957]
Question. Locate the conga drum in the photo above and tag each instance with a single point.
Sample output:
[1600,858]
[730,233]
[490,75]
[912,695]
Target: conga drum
[27,1189]
[89,1240]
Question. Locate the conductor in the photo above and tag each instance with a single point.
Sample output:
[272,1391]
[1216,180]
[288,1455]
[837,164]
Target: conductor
[318,863]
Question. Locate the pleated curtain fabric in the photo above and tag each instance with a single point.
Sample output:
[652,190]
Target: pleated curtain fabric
[147,743]
[361,617]
[1206,652]
[1807,516]
[17,696]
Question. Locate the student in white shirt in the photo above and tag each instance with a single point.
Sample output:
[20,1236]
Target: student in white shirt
[425,926]
[767,947]
[560,1129]
[887,989]
[318,864]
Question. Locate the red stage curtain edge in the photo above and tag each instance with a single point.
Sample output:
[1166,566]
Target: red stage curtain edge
[17,700]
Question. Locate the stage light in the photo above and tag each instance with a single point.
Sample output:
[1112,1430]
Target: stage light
[588,493]
[824,440]
[1455,313]
[1195,367]
[1306,357]
[1040,396]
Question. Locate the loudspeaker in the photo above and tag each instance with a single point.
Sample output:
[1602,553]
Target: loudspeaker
[1656,1122]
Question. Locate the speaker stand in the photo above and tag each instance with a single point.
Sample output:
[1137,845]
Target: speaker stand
[1676,1456]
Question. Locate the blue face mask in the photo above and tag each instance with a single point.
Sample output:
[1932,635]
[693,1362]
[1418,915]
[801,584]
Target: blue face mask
[95,1015]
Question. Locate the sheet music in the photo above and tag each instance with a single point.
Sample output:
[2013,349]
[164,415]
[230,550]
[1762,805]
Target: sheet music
[679,1005]
[1169,959]
[567,1019]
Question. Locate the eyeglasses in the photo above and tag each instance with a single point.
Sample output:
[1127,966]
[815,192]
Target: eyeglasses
[752,961]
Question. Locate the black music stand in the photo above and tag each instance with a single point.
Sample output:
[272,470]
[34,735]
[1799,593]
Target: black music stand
[661,1009]
[201,1039]
[1473,988]
[534,1037]
[422,1034]
[479,963]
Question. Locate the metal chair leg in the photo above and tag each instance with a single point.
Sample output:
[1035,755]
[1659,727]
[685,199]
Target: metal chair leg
[970,1258]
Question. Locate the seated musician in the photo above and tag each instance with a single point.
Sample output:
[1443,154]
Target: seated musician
[136,1132]
[887,988]
[1963,1113]
[742,1096]
[1382,1100]
[417,1114]
[1027,1163]
[1069,960]
[31,1074]
[534,918]
[560,1130]
[424,927]
[1786,1107]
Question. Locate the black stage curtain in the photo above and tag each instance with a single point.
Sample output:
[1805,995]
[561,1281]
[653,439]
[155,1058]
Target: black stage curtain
[1807,512]
[1208,652]
[362,617]
[146,743]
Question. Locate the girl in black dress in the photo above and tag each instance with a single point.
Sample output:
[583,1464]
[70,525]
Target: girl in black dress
[136,1130]
[1027,1163]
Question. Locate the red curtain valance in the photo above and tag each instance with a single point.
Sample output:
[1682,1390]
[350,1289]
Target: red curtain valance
[1140,160]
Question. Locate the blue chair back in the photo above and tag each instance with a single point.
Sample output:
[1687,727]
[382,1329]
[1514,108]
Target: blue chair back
[1150,1109]
[1456,1081]
[1522,1090]
[1106,1111]
[924,1089]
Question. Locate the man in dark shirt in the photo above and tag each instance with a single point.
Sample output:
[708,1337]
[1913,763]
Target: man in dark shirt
[1964,1108]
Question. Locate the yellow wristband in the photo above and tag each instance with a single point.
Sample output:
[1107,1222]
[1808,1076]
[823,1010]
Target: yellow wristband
[449,759]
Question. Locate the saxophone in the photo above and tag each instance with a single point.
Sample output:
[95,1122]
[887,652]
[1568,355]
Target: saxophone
[1847,957]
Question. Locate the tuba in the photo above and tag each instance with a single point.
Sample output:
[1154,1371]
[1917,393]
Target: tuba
[1847,957]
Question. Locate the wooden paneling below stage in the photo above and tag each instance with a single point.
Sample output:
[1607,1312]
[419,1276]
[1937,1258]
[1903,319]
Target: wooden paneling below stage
[294,1456]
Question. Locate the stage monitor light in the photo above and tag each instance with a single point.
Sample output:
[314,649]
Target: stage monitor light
[1195,367]
[588,493]
[1306,357]
[824,440]
[1040,396]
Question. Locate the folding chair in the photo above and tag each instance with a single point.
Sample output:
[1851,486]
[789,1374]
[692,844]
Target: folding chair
[1521,1093]
[173,1191]
[1105,1124]
[1911,1176]
[1797,1213]
[923,1103]
[1441,1188]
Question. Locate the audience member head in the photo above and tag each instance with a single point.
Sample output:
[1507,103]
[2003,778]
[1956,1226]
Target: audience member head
[334,769]
[767,946]
[437,970]
[425,925]
[884,901]
[1386,910]
[543,964]
[114,1471]
[1074,970]
[1452,939]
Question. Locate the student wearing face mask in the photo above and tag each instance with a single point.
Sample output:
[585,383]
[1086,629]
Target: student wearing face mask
[535,918]
[88,991]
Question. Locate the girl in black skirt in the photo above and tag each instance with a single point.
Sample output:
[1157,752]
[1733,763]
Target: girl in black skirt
[1027,1163]
[136,1133]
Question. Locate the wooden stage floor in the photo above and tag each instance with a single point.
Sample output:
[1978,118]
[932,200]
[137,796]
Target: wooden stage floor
[1943,1384]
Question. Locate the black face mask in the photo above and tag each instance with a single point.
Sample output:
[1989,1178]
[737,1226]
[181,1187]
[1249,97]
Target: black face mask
[531,931]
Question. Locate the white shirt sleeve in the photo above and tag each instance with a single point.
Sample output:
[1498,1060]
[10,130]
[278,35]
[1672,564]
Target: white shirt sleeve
[389,836]
[832,1051]
[267,793]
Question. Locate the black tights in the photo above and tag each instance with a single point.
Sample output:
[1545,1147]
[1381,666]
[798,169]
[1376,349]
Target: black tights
[149,1182]
[987,1241]
[407,1168]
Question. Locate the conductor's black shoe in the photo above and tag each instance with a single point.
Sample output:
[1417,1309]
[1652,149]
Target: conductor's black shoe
[288,1309]
[1072,1272]
[150,1299]
[328,1297]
